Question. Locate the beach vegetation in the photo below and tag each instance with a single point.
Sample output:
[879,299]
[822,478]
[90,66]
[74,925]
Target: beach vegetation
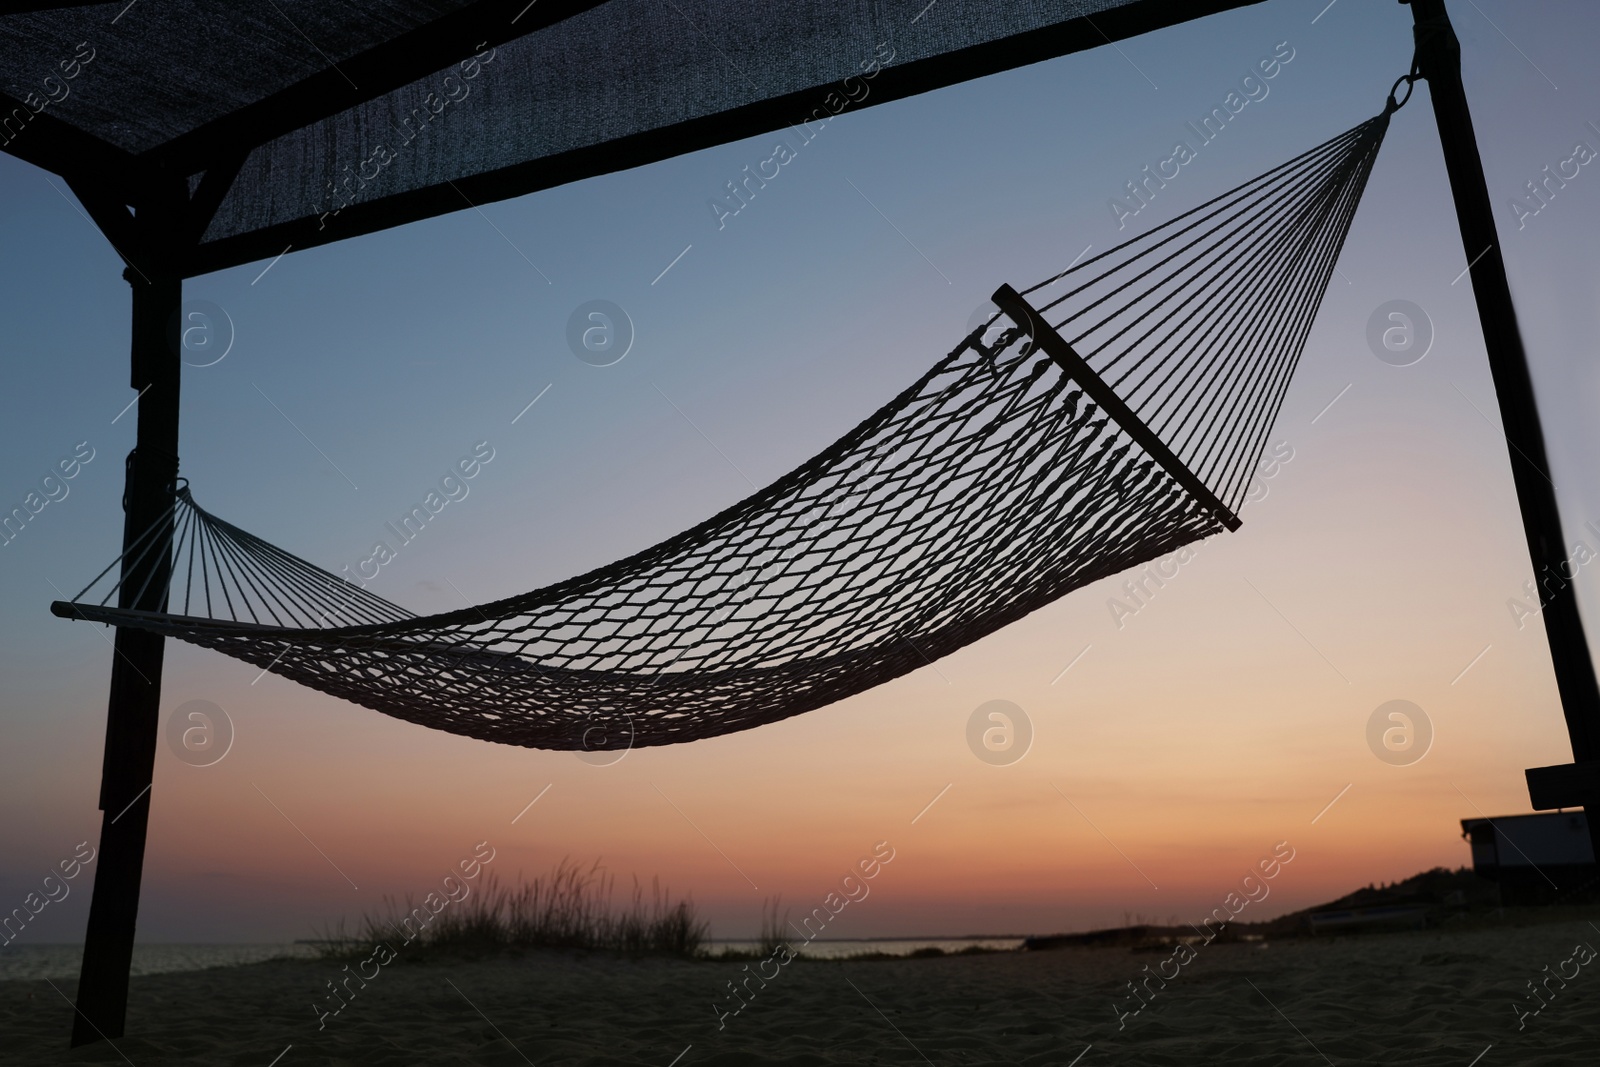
[571,907]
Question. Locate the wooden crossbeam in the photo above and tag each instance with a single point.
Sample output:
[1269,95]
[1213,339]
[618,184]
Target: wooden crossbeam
[1066,357]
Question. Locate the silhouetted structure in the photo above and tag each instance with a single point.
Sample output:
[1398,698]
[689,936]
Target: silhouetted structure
[200,135]
[221,135]
[1438,60]
[1545,858]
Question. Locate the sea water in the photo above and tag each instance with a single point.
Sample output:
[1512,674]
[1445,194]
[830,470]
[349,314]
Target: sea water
[63,961]
[840,948]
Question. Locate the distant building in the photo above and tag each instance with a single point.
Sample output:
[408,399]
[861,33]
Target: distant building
[1544,858]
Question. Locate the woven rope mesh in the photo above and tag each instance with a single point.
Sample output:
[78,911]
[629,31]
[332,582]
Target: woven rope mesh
[989,488]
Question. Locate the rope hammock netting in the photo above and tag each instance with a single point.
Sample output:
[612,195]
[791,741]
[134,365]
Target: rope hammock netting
[1104,417]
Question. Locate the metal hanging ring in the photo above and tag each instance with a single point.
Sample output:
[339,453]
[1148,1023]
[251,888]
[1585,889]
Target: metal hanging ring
[1394,105]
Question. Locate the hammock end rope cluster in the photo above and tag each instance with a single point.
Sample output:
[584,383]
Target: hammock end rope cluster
[1103,418]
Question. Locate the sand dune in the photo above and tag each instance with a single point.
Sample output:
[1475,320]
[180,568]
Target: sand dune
[1419,998]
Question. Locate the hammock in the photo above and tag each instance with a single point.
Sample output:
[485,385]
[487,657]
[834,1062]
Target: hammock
[1107,416]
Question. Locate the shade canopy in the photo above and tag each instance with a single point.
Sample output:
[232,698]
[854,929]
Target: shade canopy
[252,129]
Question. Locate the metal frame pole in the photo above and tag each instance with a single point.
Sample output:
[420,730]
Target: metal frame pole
[1439,62]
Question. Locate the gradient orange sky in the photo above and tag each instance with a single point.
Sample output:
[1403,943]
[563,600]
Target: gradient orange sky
[1221,719]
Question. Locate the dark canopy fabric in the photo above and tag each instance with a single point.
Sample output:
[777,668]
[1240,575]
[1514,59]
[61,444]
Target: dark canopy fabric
[292,123]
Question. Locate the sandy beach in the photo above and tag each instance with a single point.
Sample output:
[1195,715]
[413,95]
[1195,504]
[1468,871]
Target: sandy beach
[1427,997]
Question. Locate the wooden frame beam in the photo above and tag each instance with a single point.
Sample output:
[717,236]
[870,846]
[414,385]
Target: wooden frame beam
[1439,63]
[134,707]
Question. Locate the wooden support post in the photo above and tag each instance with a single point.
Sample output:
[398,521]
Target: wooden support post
[133,713]
[1439,62]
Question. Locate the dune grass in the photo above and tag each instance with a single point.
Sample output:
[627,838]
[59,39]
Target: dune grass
[569,908]
[774,931]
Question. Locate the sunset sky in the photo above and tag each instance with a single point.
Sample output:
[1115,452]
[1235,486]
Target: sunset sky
[1218,720]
